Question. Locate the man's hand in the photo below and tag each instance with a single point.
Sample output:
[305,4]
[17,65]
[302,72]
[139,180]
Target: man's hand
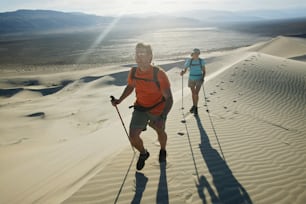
[115,101]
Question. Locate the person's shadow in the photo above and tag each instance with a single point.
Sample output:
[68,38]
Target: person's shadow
[162,196]
[229,190]
[141,182]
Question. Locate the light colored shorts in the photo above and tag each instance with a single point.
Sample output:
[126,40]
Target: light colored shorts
[195,83]
[140,119]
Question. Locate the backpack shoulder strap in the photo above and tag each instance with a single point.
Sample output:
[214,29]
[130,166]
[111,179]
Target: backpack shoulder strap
[155,76]
[190,63]
[133,72]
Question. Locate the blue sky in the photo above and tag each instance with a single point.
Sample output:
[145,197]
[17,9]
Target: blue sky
[115,7]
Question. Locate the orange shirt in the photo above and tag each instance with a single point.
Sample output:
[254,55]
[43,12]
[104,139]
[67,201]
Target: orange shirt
[147,92]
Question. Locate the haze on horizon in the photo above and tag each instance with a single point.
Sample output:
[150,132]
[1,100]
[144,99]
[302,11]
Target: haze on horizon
[121,7]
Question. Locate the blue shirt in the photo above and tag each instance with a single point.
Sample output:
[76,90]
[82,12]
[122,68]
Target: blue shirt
[195,69]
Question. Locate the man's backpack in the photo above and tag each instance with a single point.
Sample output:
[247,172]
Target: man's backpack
[155,78]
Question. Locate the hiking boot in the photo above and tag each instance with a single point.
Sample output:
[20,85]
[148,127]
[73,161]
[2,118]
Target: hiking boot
[141,160]
[192,109]
[162,155]
[195,111]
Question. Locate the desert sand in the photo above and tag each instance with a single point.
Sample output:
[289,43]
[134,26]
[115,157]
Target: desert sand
[61,141]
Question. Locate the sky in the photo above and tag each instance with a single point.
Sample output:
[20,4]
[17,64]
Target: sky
[120,7]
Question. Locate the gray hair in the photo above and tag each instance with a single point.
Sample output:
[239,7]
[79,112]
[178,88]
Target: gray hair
[147,47]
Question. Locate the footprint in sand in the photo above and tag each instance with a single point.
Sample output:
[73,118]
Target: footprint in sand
[181,133]
[37,114]
[18,141]
[62,140]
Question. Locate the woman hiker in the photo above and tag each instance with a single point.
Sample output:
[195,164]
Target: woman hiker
[197,72]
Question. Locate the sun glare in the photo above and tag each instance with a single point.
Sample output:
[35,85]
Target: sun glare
[165,6]
[148,6]
[104,33]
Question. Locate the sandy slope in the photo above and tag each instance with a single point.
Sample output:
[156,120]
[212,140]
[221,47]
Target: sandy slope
[73,128]
[247,145]
[287,47]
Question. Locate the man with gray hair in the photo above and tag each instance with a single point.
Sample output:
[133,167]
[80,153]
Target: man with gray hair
[153,102]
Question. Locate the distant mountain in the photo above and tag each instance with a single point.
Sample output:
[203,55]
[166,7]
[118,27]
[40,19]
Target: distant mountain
[275,27]
[44,20]
[277,14]
[242,16]
[217,16]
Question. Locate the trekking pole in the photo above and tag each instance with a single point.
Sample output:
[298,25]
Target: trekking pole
[182,92]
[127,134]
[211,122]
[182,108]
[205,102]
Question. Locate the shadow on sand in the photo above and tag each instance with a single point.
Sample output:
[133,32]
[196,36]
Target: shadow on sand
[141,182]
[162,196]
[162,191]
[229,190]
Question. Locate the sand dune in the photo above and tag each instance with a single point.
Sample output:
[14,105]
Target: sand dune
[287,47]
[246,146]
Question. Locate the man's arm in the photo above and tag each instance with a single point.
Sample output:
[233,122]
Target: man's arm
[127,91]
[167,94]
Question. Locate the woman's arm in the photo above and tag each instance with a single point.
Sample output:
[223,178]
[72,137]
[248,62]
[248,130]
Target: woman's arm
[203,72]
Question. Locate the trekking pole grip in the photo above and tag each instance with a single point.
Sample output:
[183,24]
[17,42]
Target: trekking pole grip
[112,98]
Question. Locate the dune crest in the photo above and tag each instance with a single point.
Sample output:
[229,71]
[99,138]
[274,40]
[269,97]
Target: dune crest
[287,47]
